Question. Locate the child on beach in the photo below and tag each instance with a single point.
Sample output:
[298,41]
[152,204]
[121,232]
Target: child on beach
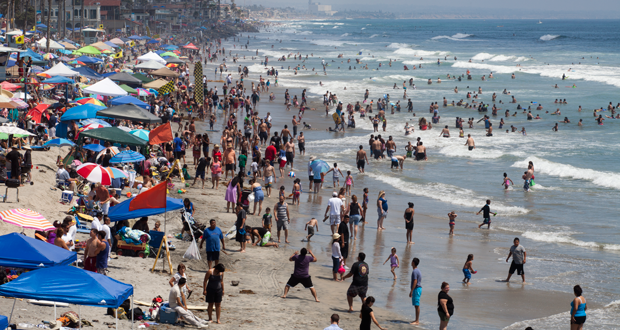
[452,215]
[310,225]
[267,219]
[282,193]
[506,180]
[348,183]
[335,175]
[468,268]
[296,191]
[394,262]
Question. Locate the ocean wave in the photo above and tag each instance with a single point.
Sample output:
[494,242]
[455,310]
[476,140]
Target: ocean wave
[418,52]
[599,178]
[335,27]
[345,34]
[501,58]
[456,37]
[565,237]
[482,56]
[522,59]
[373,36]
[304,33]
[483,66]
[396,45]
[446,193]
[606,318]
[548,37]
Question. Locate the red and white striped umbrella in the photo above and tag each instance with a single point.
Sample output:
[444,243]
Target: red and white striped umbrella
[26,218]
[95,173]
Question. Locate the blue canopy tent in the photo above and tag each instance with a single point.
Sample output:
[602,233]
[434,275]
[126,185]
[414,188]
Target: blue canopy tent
[88,72]
[111,44]
[20,251]
[88,60]
[32,54]
[152,41]
[129,99]
[107,74]
[121,211]
[70,285]
[146,37]
[135,37]
[82,112]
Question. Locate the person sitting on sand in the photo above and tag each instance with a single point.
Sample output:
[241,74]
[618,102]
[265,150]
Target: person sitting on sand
[262,236]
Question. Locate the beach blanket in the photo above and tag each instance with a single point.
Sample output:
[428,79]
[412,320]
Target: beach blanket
[133,236]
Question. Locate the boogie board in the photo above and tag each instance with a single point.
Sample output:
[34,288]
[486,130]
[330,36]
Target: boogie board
[231,233]
[336,118]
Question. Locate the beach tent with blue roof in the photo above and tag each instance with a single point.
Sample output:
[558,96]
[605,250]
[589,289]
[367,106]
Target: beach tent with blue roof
[121,211]
[82,112]
[20,251]
[88,60]
[88,73]
[4,322]
[58,80]
[129,99]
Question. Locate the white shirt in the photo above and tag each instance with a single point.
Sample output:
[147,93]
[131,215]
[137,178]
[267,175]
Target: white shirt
[108,232]
[96,224]
[310,173]
[334,205]
[175,293]
[333,327]
[336,250]
[70,236]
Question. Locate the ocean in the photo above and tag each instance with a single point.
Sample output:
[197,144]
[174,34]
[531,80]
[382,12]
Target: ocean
[568,222]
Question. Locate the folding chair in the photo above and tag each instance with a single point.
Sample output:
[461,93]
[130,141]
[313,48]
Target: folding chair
[157,238]
[80,228]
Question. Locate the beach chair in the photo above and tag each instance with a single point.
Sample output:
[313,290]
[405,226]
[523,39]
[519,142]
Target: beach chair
[157,238]
[80,227]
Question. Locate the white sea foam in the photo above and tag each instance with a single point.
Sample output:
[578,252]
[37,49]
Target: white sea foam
[456,37]
[345,34]
[522,59]
[482,56]
[419,52]
[606,318]
[489,67]
[501,58]
[548,37]
[335,27]
[599,178]
[396,45]
[565,237]
[373,36]
[304,33]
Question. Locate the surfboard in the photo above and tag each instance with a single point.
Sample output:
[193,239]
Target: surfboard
[336,118]
[47,303]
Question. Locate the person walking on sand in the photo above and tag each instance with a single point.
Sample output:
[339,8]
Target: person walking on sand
[336,256]
[394,261]
[578,309]
[361,159]
[367,315]
[519,257]
[354,211]
[282,218]
[409,212]
[486,215]
[359,285]
[335,207]
[310,226]
[240,225]
[445,306]
[382,209]
[213,235]
[301,273]
[416,289]
[213,290]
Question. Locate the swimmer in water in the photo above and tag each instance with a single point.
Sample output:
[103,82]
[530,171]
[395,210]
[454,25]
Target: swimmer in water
[507,182]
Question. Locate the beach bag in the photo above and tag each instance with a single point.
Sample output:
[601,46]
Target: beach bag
[251,197]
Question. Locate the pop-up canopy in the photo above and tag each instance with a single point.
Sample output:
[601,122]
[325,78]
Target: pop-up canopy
[129,111]
[105,87]
[20,251]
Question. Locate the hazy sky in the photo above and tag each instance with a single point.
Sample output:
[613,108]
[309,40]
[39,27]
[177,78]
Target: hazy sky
[526,8]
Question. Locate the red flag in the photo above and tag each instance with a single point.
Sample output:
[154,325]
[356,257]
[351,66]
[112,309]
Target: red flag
[153,198]
[161,134]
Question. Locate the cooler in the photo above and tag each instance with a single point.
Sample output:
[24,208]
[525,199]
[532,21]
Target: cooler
[67,196]
[167,315]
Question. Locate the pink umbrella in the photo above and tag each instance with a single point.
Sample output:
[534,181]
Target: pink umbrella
[76,163]
[26,218]
[95,173]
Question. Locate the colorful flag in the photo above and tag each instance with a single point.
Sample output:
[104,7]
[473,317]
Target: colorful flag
[154,198]
[167,88]
[198,90]
[161,134]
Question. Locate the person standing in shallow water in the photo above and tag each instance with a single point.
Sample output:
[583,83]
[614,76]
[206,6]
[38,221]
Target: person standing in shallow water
[382,209]
[409,212]
[519,257]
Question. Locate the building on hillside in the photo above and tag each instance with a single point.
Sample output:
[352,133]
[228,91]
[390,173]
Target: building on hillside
[316,8]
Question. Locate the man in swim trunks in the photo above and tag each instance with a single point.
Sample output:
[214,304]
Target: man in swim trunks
[361,159]
[376,148]
[445,132]
[409,148]
[398,161]
[421,152]
[269,176]
[301,143]
[289,148]
[390,145]
[471,145]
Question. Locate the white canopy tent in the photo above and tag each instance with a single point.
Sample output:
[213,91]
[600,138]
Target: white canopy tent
[106,87]
[61,70]
[150,65]
[150,56]
[53,44]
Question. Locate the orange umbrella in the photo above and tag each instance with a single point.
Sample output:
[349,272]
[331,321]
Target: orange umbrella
[26,218]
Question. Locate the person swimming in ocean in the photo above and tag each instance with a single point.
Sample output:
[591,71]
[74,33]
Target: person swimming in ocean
[507,182]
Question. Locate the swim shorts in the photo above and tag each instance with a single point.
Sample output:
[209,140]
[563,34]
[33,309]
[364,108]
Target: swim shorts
[467,273]
[486,221]
[517,267]
[415,298]
[360,164]
[334,219]
[355,290]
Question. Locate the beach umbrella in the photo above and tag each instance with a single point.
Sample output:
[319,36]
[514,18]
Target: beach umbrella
[26,219]
[76,163]
[93,147]
[90,100]
[113,151]
[90,126]
[20,103]
[116,173]
[127,156]
[5,131]
[95,173]
[58,143]
[172,65]
[142,92]
[49,56]
[95,121]
[319,166]
[141,133]
[124,128]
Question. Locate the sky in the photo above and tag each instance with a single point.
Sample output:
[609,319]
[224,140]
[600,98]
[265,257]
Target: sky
[488,8]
